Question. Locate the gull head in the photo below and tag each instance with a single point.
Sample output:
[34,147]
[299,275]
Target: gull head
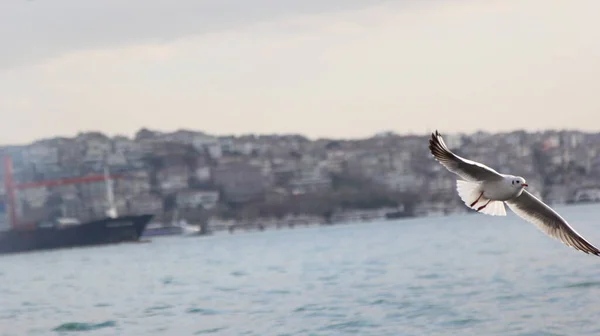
[518,182]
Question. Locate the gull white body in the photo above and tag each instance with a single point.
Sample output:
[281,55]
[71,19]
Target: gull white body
[501,190]
[488,196]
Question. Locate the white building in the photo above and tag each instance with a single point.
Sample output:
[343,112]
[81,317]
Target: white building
[41,154]
[310,179]
[401,181]
[97,149]
[116,159]
[174,178]
[202,173]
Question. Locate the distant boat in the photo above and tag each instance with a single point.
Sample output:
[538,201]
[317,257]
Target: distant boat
[159,229]
[189,230]
[66,232]
[177,227]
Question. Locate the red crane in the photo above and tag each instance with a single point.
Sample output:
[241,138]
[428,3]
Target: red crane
[11,188]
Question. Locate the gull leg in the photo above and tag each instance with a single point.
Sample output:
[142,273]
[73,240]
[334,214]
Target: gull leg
[477,200]
[483,206]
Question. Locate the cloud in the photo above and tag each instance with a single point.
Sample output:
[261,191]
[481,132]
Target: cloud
[31,31]
[409,66]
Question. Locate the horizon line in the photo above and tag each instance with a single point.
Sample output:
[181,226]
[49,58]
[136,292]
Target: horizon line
[313,138]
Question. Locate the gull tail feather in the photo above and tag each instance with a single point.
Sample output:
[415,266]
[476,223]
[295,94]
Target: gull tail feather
[470,194]
[494,208]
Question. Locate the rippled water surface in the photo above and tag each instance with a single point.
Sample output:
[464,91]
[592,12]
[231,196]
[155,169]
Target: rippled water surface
[460,275]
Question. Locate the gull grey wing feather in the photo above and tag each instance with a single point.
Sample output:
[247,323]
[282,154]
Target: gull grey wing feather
[467,169]
[549,221]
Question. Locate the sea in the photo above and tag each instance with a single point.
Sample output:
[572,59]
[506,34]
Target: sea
[468,274]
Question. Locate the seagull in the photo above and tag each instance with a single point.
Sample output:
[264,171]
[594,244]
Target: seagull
[485,190]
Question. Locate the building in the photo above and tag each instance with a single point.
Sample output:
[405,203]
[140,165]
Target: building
[41,154]
[310,179]
[97,147]
[136,183]
[192,199]
[202,174]
[400,181]
[239,182]
[174,178]
[144,204]
[67,192]
[34,197]
[70,153]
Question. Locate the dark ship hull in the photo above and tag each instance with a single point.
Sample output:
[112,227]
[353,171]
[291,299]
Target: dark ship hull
[103,231]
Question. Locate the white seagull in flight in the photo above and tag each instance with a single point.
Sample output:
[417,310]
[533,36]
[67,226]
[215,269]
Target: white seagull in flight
[486,191]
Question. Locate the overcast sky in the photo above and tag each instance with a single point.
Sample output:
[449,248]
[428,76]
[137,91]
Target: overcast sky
[334,68]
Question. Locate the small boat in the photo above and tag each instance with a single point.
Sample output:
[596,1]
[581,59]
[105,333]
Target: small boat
[177,227]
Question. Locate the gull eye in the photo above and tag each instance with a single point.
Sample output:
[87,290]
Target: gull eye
[517,182]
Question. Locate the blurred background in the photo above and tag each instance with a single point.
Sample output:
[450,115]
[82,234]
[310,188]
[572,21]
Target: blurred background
[263,166]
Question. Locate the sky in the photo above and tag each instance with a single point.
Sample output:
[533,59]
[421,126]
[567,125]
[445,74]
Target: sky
[322,68]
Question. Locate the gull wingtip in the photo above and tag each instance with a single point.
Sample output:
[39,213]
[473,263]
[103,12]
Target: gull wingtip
[435,138]
[436,134]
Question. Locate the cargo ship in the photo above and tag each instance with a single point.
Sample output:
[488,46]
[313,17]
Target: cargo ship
[43,235]
[98,232]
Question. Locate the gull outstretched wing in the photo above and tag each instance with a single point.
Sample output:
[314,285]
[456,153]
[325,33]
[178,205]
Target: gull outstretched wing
[467,169]
[533,210]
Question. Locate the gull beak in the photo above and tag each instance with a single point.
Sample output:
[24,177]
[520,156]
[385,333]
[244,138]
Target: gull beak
[525,185]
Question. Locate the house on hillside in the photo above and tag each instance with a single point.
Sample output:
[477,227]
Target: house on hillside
[192,199]
[145,203]
[310,179]
[174,178]
[239,181]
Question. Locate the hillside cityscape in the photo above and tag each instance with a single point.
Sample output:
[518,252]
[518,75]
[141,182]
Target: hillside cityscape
[285,179]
